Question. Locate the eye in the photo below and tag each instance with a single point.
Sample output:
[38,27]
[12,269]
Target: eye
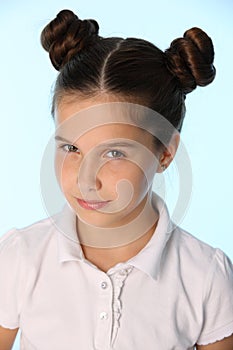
[115,154]
[69,148]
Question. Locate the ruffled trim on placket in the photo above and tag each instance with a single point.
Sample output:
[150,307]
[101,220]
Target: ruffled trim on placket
[118,281]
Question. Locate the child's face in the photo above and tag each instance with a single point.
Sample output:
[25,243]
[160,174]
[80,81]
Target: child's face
[118,177]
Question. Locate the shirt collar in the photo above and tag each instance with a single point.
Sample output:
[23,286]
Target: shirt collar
[147,260]
[68,244]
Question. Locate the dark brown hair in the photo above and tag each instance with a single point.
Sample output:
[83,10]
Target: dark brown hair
[132,68]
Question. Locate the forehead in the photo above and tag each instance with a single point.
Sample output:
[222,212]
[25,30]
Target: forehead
[75,116]
[108,135]
[98,119]
[74,104]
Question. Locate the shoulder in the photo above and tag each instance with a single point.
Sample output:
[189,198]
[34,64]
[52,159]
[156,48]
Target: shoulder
[21,251]
[190,247]
[195,258]
[27,240]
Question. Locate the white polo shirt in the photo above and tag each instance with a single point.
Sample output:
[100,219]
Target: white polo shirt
[176,292]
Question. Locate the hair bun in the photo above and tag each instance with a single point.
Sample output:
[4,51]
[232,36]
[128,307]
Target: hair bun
[66,35]
[191,58]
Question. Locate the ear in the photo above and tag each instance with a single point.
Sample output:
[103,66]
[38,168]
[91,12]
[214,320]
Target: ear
[169,152]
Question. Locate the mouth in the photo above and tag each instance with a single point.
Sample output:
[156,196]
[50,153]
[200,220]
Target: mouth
[91,204]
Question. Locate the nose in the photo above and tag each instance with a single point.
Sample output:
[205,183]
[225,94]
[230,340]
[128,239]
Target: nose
[88,179]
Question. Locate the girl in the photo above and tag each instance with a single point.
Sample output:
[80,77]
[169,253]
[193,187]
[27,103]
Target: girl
[112,270]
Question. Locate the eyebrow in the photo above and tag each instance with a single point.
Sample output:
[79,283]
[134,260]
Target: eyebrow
[59,138]
[110,144]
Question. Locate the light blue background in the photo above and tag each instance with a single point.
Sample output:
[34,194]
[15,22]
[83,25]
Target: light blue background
[27,76]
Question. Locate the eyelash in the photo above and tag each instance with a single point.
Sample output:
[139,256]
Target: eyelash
[67,145]
[122,155]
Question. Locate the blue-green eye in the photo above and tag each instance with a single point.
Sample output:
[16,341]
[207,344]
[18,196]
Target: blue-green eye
[115,154]
[69,148]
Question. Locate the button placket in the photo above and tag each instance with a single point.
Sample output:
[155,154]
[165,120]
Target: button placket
[104,315]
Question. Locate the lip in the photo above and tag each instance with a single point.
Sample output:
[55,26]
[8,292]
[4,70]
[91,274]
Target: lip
[91,205]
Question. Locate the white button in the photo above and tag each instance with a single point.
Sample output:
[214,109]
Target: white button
[122,272]
[103,315]
[104,285]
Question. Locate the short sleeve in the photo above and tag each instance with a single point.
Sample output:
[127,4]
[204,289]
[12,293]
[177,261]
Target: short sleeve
[9,279]
[218,301]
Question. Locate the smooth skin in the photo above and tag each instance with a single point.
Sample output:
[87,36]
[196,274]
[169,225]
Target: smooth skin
[104,185]
[7,338]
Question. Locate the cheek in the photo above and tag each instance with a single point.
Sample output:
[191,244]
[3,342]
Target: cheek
[65,172]
[139,180]
[130,172]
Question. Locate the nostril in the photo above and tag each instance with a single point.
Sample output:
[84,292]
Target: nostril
[88,174]
[89,184]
